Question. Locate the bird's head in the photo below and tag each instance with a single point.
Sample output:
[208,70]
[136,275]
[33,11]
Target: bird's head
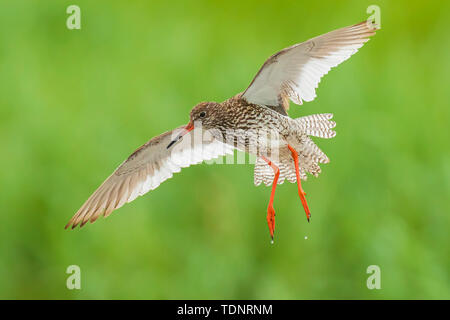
[204,114]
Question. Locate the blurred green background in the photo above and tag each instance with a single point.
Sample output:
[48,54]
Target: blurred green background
[75,103]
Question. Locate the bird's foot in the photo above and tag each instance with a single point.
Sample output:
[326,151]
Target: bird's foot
[271,220]
[301,193]
[305,205]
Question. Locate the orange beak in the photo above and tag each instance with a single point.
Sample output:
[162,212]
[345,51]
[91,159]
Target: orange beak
[189,127]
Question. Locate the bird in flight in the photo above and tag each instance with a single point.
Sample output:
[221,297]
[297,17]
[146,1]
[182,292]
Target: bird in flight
[254,121]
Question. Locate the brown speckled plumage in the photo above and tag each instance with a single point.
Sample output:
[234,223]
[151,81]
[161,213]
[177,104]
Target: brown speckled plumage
[236,119]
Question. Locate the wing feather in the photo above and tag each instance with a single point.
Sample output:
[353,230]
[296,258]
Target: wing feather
[145,170]
[294,73]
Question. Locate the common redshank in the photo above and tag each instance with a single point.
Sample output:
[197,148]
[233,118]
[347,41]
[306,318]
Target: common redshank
[255,121]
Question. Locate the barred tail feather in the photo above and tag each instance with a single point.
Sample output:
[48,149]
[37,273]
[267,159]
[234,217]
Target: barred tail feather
[318,125]
[310,155]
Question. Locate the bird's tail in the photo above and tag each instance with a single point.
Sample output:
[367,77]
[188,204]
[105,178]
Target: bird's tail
[310,155]
[317,125]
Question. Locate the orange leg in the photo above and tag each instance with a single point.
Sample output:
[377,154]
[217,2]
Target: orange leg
[301,193]
[270,210]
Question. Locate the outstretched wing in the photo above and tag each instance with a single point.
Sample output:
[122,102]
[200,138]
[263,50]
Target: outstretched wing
[146,169]
[295,72]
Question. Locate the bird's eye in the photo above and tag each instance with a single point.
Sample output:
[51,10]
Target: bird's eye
[202,114]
